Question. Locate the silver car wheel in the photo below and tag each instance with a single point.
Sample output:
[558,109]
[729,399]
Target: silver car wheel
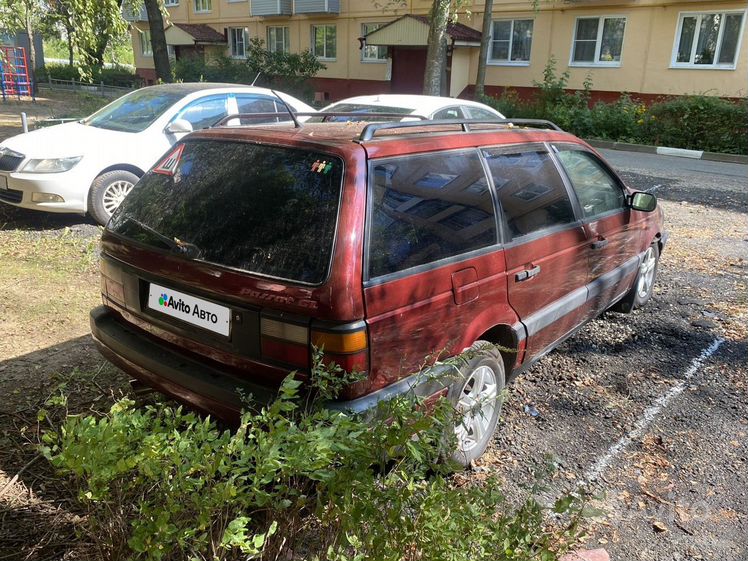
[114,194]
[475,408]
[646,273]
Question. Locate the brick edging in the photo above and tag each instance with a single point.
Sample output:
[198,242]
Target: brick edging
[667,151]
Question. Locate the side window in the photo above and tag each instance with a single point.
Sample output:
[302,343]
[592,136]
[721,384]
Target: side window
[426,208]
[598,191]
[247,103]
[531,192]
[205,112]
[479,113]
[448,113]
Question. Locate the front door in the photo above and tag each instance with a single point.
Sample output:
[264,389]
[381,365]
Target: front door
[408,67]
[545,244]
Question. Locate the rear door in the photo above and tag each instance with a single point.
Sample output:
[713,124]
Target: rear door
[545,244]
[432,261]
[612,251]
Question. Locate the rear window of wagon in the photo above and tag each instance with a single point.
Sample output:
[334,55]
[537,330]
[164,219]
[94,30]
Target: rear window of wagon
[267,210]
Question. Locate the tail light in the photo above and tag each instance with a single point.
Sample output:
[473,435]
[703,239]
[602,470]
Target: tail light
[285,342]
[347,345]
[291,343]
[111,283]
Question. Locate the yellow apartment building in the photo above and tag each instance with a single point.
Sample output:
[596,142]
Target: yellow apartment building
[648,48]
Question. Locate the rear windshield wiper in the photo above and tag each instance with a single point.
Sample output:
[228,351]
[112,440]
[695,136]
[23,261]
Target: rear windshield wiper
[174,244]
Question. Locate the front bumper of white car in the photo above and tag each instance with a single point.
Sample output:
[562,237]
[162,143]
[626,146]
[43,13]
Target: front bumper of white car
[51,192]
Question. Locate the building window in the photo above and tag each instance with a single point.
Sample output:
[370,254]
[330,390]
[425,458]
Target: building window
[145,43]
[202,6]
[171,52]
[511,41]
[324,41]
[170,3]
[278,41]
[598,41]
[372,53]
[238,42]
[709,40]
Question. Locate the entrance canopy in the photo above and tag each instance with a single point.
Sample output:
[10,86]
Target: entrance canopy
[185,34]
[413,31]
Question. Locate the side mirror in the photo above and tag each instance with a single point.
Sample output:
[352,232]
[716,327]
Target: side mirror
[179,126]
[646,202]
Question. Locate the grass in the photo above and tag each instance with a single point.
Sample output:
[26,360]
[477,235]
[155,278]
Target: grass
[120,53]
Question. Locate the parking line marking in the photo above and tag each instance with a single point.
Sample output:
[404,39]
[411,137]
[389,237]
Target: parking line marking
[650,413]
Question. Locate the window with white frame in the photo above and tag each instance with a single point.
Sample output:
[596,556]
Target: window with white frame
[511,41]
[145,43]
[598,41]
[170,3]
[372,53]
[238,42]
[171,52]
[708,40]
[278,40]
[324,41]
[202,6]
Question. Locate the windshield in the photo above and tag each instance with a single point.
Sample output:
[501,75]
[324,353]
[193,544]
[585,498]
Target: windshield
[263,209]
[134,112]
[364,109]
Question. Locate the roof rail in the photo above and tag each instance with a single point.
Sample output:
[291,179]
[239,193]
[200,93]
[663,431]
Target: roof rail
[290,116]
[370,130]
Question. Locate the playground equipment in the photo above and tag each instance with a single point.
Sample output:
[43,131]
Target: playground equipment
[14,73]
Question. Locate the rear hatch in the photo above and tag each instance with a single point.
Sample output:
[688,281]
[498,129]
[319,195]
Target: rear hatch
[225,250]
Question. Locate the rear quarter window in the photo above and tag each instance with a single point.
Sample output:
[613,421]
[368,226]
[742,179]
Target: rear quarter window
[426,208]
[263,209]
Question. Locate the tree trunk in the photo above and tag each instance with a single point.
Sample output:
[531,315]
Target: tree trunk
[480,79]
[158,41]
[32,52]
[436,55]
[71,60]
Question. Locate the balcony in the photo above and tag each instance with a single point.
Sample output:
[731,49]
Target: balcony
[317,7]
[269,8]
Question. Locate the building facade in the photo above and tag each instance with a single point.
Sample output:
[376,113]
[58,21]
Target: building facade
[649,48]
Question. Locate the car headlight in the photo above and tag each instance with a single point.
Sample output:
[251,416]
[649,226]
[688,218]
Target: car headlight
[50,165]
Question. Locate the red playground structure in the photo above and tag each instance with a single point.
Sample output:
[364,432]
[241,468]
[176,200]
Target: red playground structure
[14,73]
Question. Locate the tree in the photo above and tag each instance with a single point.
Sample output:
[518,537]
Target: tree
[96,22]
[436,53]
[480,79]
[61,14]
[158,40]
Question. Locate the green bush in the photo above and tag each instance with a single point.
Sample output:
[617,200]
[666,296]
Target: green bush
[113,76]
[696,122]
[293,481]
[700,123]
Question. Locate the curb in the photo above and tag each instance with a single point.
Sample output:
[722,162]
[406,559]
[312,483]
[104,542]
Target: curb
[666,151]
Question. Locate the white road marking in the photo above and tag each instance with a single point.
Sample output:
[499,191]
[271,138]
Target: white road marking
[650,413]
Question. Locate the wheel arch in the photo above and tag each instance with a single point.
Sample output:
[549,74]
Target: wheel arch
[506,338]
[114,167]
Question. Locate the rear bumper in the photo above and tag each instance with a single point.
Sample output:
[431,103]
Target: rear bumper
[218,392]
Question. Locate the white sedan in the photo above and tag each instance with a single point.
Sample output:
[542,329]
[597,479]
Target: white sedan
[430,107]
[91,165]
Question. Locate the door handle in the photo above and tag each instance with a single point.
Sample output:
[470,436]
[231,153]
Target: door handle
[527,274]
[599,244]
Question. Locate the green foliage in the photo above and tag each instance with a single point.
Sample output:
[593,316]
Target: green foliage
[288,72]
[294,480]
[113,76]
[697,122]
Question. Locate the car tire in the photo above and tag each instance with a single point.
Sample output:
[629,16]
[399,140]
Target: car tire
[643,287]
[107,192]
[476,396]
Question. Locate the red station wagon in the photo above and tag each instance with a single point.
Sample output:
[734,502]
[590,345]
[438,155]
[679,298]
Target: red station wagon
[381,243]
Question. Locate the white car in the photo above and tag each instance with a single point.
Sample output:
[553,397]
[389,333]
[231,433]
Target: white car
[91,165]
[430,107]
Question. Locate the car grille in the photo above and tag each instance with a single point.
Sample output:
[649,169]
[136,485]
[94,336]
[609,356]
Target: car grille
[9,161]
[11,195]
